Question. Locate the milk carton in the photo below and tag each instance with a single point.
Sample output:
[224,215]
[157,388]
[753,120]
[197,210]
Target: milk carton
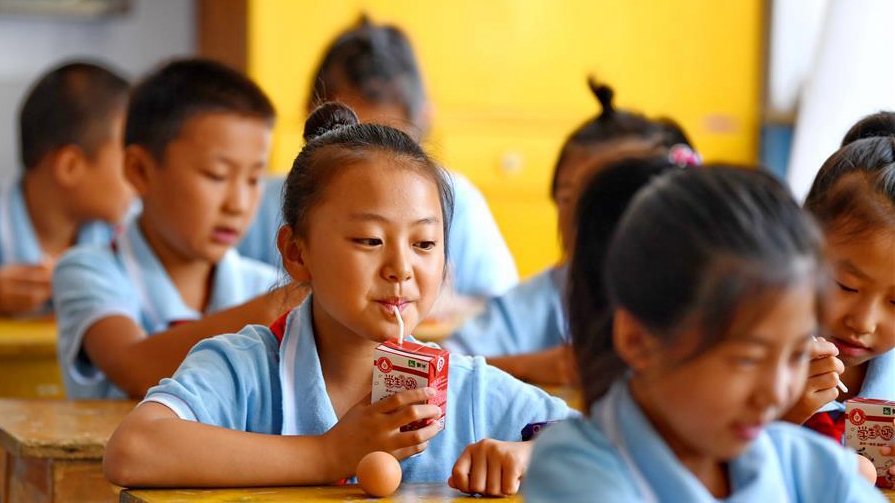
[868,427]
[398,367]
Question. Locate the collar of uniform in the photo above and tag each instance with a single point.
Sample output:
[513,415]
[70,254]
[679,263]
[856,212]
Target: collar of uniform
[750,473]
[159,296]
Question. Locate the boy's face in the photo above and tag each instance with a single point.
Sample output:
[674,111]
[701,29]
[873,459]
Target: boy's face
[198,202]
[104,193]
[375,241]
[860,314]
[713,405]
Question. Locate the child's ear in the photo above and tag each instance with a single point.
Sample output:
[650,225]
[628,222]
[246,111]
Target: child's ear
[69,165]
[292,253]
[137,165]
[633,342]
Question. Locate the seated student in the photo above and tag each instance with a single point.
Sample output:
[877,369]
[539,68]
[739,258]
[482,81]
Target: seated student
[72,190]
[853,197]
[713,278]
[198,137]
[367,215]
[373,69]
[524,331]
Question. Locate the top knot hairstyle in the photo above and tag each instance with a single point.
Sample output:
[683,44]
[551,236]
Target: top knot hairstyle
[182,89]
[336,140]
[878,125]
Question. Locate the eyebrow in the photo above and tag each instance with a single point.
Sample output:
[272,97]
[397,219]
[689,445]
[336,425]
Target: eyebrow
[373,217]
[230,163]
[751,339]
[854,269]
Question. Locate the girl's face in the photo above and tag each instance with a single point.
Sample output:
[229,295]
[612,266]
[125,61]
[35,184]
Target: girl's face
[375,241]
[860,315]
[709,407]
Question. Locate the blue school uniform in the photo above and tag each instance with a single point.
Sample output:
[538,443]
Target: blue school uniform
[250,382]
[481,265]
[617,455]
[528,318]
[94,282]
[18,240]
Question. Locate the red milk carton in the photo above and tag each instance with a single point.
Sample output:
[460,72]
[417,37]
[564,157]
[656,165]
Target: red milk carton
[869,427]
[399,367]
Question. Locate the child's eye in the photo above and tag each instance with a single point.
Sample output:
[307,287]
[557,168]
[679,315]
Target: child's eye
[367,241]
[215,177]
[746,361]
[254,181]
[426,245]
[847,289]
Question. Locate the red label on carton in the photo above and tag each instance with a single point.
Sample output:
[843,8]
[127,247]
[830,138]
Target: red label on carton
[399,367]
[868,427]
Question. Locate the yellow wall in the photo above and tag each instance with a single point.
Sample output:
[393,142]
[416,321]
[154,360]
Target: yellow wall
[507,79]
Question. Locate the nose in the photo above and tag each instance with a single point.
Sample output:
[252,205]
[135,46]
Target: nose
[777,387]
[397,267]
[239,197]
[861,317]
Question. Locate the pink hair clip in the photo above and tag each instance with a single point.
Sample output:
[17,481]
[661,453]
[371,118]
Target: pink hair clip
[683,156]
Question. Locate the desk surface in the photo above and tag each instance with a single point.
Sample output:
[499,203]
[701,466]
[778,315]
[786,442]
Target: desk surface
[59,429]
[406,493]
[27,337]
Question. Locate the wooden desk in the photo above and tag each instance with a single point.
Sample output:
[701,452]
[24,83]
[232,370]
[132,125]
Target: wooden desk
[28,359]
[52,450]
[406,493]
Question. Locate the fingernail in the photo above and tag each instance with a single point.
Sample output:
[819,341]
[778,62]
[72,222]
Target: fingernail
[430,391]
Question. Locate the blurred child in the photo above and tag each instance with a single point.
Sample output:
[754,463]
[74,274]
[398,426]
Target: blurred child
[72,190]
[524,331]
[367,215]
[713,277]
[853,197]
[198,137]
[373,69]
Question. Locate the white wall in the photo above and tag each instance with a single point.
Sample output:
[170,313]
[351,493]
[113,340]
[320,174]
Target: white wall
[151,31]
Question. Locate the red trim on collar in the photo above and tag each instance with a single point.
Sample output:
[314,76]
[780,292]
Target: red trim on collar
[830,424]
[278,328]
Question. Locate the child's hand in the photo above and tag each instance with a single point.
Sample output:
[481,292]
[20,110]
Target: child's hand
[376,427]
[889,450]
[491,467]
[554,366]
[823,375]
[24,288]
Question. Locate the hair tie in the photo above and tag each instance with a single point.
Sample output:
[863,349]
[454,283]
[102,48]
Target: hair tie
[683,156]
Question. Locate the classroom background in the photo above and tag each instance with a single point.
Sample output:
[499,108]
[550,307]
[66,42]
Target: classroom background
[507,78]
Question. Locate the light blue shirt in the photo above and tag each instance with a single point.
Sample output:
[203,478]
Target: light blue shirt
[617,456]
[18,240]
[249,382]
[481,265]
[94,282]
[528,318]
[879,382]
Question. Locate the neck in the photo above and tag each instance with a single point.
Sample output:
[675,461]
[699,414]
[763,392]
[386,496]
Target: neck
[710,471]
[345,357]
[54,224]
[192,277]
[853,379]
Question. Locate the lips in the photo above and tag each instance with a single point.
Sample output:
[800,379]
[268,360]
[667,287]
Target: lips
[748,431]
[850,347]
[390,303]
[224,235]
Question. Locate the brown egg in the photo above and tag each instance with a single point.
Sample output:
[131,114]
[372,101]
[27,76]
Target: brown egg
[379,474]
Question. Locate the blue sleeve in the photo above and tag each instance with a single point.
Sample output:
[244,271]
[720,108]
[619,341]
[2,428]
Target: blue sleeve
[501,405]
[88,285]
[229,381]
[526,319]
[481,265]
[819,470]
[572,464]
[260,240]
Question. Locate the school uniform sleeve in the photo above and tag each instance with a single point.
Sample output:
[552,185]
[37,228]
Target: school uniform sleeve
[572,462]
[817,469]
[88,285]
[498,405]
[228,381]
[481,265]
[260,240]
[526,319]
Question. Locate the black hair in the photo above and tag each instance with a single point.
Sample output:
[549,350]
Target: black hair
[880,124]
[613,124]
[378,62]
[336,140]
[854,191]
[692,248]
[167,98]
[70,105]
[599,210]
